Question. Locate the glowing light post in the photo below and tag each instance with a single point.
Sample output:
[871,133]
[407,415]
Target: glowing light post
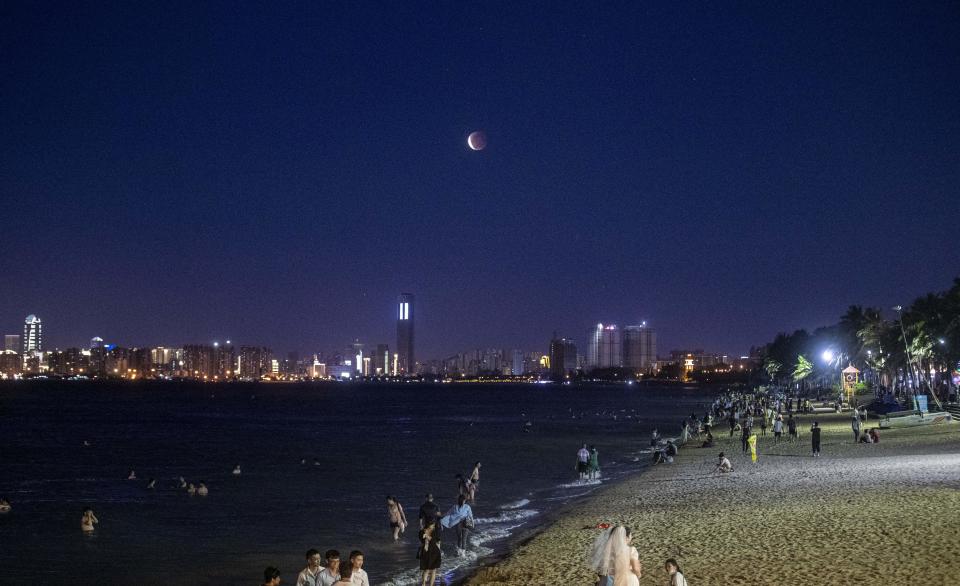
[828,358]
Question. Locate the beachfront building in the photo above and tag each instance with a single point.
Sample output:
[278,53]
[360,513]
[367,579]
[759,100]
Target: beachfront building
[605,347]
[406,363]
[640,348]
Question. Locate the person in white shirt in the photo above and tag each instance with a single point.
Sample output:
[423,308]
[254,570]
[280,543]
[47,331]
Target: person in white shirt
[310,576]
[331,574]
[583,459]
[673,570]
[359,576]
[723,464]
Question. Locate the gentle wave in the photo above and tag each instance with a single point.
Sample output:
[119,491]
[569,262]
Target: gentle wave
[508,516]
[516,504]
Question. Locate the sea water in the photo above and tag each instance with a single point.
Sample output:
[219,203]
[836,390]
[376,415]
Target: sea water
[68,445]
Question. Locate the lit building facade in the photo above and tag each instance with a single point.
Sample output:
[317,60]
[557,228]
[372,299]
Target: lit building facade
[605,347]
[11,343]
[406,359]
[32,335]
[640,348]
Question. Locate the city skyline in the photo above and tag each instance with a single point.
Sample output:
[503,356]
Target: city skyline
[277,174]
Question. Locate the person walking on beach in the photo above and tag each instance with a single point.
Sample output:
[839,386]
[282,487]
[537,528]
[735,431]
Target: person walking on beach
[763,426]
[673,571]
[777,429]
[310,576]
[398,520]
[88,520]
[815,439]
[461,517]
[583,461]
[744,436]
[792,428]
[855,424]
[429,554]
[429,511]
[594,463]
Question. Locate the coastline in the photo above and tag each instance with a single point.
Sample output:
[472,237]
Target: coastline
[887,513]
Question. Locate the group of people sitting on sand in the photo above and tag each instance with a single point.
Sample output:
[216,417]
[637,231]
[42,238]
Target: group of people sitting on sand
[616,561]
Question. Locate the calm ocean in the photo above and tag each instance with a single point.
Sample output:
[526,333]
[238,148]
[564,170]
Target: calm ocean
[369,441]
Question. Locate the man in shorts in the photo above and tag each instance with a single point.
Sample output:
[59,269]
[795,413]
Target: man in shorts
[583,460]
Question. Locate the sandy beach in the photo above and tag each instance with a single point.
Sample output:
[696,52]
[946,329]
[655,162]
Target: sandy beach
[886,513]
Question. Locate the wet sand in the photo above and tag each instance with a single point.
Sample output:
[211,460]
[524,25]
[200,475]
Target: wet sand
[886,513]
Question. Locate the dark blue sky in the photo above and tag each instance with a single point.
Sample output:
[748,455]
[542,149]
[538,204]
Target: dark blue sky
[277,174]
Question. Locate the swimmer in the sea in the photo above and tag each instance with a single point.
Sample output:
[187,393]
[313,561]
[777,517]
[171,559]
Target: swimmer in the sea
[191,489]
[202,489]
[152,483]
[132,475]
[4,505]
[88,520]
[183,483]
[236,470]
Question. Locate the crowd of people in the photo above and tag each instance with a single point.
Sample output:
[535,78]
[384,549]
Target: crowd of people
[329,571]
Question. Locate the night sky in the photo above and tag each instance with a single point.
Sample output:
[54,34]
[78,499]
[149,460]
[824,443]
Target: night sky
[278,173]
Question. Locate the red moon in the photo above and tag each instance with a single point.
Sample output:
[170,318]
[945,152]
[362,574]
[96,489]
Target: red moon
[477,140]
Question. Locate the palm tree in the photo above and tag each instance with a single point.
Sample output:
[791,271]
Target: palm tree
[772,367]
[803,370]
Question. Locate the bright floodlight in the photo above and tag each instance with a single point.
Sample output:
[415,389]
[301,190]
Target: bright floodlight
[827,355]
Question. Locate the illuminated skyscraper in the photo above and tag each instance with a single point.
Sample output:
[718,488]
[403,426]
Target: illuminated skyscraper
[604,349]
[640,347]
[406,363]
[32,335]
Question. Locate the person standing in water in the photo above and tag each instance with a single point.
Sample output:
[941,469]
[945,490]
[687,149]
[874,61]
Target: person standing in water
[429,511]
[583,462]
[594,463]
[429,553]
[398,520]
[461,517]
[88,520]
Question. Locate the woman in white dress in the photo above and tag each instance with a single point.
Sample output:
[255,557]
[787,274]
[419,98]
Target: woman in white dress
[613,557]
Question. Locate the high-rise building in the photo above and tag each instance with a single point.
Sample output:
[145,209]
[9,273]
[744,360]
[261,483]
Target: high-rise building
[11,343]
[406,362]
[640,348]
[605,347]
[563,358]
[381,360]
[518,366]
[32,335]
